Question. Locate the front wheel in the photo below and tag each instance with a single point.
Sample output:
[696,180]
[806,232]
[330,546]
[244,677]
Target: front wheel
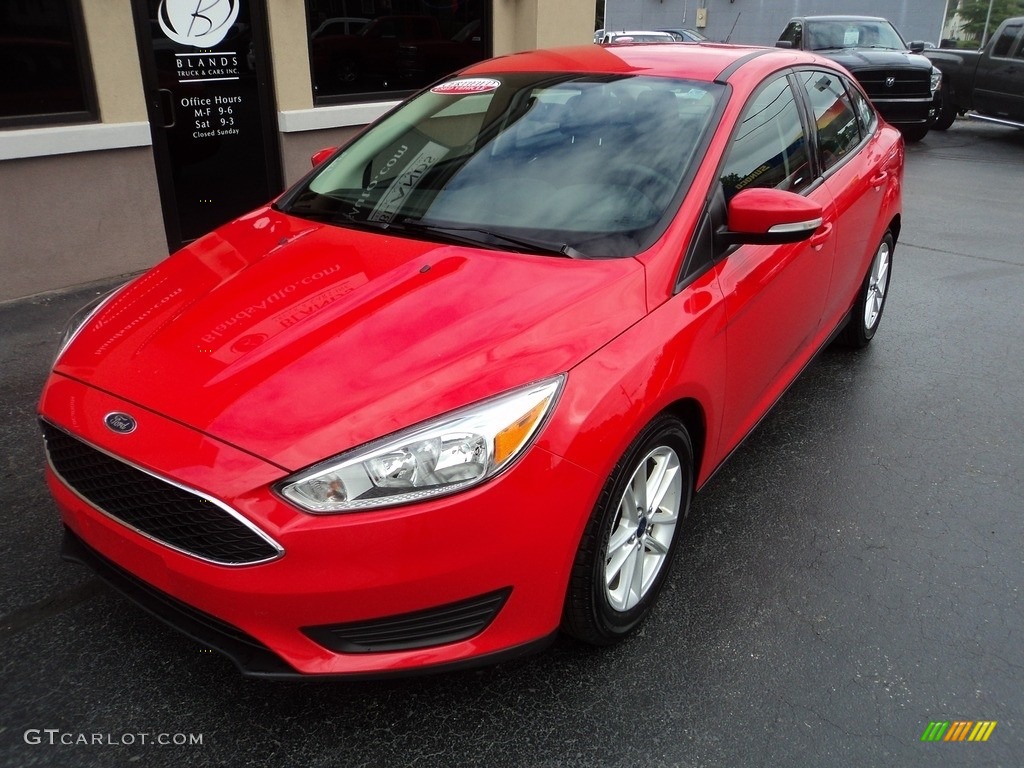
[628,544]
[914,133]
[947,112]
[866,313]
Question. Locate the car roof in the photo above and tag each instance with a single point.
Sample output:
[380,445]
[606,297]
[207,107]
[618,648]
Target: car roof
[692,61]
[636,32]
[842,17]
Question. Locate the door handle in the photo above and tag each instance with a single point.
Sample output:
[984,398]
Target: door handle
[166,106]
[818,239]
[878,180]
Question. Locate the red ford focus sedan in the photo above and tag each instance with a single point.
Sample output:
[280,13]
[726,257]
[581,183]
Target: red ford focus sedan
[454,391]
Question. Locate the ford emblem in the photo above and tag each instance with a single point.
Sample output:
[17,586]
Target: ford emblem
[119,422]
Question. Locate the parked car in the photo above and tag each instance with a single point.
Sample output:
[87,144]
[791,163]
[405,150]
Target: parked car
[684,35]
[340,25]
[987,84]
[455,389]
[636,36]
[901,82]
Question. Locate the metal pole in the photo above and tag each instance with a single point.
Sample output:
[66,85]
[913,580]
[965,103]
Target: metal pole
[984,35]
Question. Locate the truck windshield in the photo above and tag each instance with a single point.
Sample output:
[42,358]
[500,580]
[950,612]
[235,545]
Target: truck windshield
[578,164]
[834,34]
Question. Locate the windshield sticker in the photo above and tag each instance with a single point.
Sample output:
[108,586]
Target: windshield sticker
[406,181]
[467,85]
[851,38]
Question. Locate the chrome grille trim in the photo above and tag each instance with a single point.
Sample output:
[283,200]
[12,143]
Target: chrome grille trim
[234,514]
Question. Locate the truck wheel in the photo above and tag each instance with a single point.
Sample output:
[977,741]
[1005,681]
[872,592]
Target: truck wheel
[914,133]
[947,112]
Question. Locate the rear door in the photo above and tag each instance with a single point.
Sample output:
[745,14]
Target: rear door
[852,157]
[1000,76]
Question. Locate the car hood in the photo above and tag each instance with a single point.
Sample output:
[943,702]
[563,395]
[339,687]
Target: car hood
[295,340]
[873,58]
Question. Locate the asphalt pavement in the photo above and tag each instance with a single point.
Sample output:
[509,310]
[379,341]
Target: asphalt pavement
[852,574]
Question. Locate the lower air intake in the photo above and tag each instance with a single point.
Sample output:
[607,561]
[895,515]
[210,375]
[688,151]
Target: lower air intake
[421,629]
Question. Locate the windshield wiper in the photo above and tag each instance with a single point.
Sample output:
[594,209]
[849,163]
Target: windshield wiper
[464,236]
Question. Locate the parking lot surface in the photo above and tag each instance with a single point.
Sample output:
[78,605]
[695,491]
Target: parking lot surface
[850,576]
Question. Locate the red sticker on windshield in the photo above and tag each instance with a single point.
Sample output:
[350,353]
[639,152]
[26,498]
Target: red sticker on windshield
[466,85]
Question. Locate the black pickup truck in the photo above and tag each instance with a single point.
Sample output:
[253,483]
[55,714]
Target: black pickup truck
[986,84]
[899,80]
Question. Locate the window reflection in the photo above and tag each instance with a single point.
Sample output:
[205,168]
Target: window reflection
[770,148]
[359,48]
[44,78]
[838,130]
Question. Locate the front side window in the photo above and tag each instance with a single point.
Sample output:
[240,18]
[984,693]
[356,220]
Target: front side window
[834,115]
[794,34]
[579,165]
[770,146]
[44,61]
[362,50]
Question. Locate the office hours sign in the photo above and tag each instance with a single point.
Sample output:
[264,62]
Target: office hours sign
[211,110]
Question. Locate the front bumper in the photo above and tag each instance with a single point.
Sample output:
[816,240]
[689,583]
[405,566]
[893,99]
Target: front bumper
[905,111]
[515,535]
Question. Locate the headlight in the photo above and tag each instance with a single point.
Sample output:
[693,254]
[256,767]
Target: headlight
[936,80]
[442,456]
[82,316]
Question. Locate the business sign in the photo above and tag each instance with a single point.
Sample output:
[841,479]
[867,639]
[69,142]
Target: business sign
[212,108]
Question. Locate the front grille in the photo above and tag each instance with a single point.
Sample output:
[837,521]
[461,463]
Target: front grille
[906,84]
[434,626]
[164,512]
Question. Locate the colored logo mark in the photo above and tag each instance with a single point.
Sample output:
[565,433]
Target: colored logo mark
[958,730]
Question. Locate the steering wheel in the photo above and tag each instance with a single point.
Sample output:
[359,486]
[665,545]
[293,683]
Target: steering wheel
[652,184]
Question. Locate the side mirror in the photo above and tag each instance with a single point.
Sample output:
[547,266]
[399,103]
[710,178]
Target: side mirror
[783,44]
[769,217]
[916,46]
[320,155]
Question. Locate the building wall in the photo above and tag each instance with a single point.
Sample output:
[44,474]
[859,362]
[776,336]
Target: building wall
[759,22]
[79,203]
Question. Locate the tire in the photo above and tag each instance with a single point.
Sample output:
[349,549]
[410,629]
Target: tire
[866,313]
[914,133]
[627,548]
[947,112]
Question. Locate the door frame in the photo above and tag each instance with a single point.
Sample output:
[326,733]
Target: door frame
[161,149]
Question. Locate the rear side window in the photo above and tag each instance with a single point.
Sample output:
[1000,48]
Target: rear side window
[861,105]
[770,147]
[834,114]
[1004,43]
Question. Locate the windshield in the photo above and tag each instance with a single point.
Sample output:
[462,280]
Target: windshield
[577,165]
[827,35]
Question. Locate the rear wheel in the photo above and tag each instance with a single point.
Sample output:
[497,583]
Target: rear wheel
[866,313]
[631,537]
